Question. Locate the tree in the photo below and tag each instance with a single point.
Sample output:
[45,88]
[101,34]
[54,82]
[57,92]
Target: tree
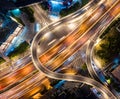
[44,89]
[2,55]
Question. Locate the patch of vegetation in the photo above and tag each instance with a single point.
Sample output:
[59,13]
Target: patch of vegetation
[1,60]
[53,82]
[84,66]
[44,89]
[72,9]
[19,50]
[17,19]
[44,5]
[109,46]
[29,11]
[4,33]
[84,2]
[113,24]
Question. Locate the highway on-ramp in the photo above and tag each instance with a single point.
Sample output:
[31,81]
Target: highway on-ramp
[18,75]
[56,55]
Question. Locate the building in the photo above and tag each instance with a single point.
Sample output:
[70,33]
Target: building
[116,72]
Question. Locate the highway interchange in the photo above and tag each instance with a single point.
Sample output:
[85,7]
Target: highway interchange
[56,55]
[4,85]
[88,25]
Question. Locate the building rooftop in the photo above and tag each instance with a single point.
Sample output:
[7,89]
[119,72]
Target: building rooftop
[116,73]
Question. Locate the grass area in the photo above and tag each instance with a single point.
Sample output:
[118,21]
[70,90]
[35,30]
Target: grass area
[30,12]
[19,50]
[109,47]
[1,60]
[72,9]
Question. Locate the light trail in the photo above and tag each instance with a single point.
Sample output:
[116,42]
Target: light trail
[89,6]
[112,11]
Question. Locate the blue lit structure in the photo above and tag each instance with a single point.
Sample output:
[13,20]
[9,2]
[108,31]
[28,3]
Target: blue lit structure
[16,12]
[59,84]
[57,5]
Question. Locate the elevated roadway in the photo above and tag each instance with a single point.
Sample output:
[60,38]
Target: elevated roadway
[18,75]
[91,65]
[3,80]
[56,55]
